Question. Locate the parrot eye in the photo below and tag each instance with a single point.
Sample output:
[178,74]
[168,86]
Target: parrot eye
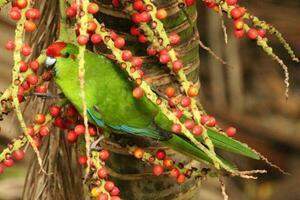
[66,55]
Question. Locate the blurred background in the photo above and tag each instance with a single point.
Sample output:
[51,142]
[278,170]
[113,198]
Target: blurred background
[248,94]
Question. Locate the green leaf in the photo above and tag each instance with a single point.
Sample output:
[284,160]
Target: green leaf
[183,146]
[229,144]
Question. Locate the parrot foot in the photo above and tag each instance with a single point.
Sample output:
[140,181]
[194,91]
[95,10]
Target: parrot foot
[48,95]
[94,146]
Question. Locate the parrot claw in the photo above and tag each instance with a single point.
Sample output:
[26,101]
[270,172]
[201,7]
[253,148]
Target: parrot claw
[94,146]
[48,95]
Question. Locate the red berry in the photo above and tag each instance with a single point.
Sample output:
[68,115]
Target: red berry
[205,119]
[71,12]
[189,124]
[109,186]
[82,39]
[173,101]
[231,131]
[178,113]
[104,154]
[30,130]
[262,33]
[15,14]
[1,169]
[103,196]
[197,130]
[180,179]
[239,33]
[115,198]
[43,131]
[231,2]
[151,51]
[34,65]
[25,85]
[126,55]
[134,31]
[137,62]
[138,92]
[37,142]
[136,18]
[93,8]
[168,163]
[79,129]
[21,3]
[29,26]
[190,2]
[71,111]
[185,101]
[177,65]
[96,39]
[174,38]
[175,172]
[23,66]
[72,136]
[102,173]
[39,118]
[176,128]
[138,153]
[211,122]
[252,33]
[160,154]
[10,45]
[82,160]
[119,42]
[41,89]
[164,58]
[157,170]
[8,162]
[161,14]
[32,79]
[54,111]
[32,14]
[138,5]
[115,191]
[144,17]
[92,131]
[19,154]
[115,3]
[142,38]
[236,13]
[26,50]
[170,92]
[20,91]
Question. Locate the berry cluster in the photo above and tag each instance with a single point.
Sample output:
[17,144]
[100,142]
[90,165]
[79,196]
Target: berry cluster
[163,165]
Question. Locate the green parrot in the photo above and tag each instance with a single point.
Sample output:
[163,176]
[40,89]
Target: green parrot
[110,104]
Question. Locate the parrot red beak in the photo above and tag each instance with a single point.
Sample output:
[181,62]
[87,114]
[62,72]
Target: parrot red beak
[54,50]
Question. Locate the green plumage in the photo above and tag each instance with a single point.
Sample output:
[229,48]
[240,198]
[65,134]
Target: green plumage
[110,101]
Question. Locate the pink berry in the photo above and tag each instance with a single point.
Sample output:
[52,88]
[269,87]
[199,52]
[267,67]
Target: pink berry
[126,55]
[157,170]
[231,2]
[185,101]
[176,128]
[189,124]
[197,130]
[231,131]
[252,33]
[19,155]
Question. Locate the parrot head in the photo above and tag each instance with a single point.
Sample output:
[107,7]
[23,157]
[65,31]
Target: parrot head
[60,50]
